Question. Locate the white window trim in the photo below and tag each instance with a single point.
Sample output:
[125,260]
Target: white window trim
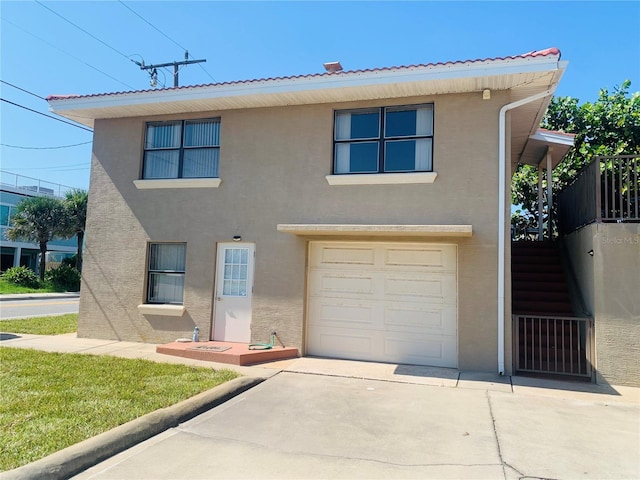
[152,184]
[159,309]
[381,178]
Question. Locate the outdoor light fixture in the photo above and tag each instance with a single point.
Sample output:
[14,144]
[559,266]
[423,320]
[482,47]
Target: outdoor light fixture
[486,94]
[237,238]
[590,252]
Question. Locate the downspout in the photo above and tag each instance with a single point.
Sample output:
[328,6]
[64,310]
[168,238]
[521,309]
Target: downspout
[502,176]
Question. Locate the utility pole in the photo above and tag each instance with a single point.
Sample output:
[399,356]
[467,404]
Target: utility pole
[175,64]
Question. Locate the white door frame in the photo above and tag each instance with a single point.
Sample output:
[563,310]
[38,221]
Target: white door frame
[235,264]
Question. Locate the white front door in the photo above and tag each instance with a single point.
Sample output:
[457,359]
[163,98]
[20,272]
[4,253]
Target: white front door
[234,287]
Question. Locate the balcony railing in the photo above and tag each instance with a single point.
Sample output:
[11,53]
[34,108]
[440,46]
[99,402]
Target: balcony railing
[33,185]
[606,190]
[553,345]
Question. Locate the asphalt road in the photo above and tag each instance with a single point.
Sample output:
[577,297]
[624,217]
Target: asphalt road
[37,307]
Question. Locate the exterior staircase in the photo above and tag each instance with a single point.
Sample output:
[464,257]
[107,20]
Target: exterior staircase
[538,281]
[548,338]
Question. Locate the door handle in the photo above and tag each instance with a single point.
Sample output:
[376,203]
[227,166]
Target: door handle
[219,299]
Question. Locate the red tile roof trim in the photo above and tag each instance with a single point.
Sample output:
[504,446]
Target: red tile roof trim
[537,53]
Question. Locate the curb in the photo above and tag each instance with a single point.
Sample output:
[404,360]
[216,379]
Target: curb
[77,458]
[36,296]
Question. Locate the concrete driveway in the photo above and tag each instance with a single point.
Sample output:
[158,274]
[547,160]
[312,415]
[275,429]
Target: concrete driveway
[304,425]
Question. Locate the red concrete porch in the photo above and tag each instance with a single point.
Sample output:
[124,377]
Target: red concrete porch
[226,352]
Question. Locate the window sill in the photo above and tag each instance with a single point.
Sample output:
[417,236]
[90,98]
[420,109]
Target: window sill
[178,183]
[166,310]
[382,178]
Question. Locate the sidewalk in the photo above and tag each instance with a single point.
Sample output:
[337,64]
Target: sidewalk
[32,296]
[442,377]
[70,343]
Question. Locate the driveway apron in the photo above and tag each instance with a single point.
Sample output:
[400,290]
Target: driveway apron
[308,426]
[311,426]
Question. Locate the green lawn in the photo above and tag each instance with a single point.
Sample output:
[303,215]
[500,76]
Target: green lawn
[8,287]
[49,401]
[54,325]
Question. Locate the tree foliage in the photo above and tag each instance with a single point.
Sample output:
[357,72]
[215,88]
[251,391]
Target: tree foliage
[75,204]
[39,220]
[608,126]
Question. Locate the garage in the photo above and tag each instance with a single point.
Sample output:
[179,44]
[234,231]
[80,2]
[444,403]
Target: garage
[384,302]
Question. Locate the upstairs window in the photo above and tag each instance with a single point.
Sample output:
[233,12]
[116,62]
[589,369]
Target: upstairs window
[166,272]
[182,149]
[384,140]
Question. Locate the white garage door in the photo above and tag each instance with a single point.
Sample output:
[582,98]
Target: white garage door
[387,302]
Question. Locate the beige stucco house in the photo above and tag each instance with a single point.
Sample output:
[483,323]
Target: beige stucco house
[359,214]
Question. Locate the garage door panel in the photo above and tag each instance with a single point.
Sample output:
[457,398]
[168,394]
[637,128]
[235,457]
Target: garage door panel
[434,258]
[341,256]
[432,321]
[331,313]
[427,288]
[344,343]
[334,283]
[386,302]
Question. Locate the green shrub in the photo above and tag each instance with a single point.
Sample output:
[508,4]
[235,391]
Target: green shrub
[71,261]
[65,277]
[22,276]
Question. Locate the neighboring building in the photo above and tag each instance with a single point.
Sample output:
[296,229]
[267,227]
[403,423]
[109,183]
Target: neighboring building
[13,189]
[360,214]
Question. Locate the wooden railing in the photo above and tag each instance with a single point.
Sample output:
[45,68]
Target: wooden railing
[606,190]
[553,345]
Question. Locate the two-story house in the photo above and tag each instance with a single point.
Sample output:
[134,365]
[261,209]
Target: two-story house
[360,214]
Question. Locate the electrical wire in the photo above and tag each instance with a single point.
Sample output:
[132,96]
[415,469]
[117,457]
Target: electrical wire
[23,89]
[150,24]
[163,34]
[83,30]
[84,164]
[45,115]
[45,148]
[69,54]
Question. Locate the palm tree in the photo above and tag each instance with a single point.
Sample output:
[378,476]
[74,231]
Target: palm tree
[75,204]
[38,220]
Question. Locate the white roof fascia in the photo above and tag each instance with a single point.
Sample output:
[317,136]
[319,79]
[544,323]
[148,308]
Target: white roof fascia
[552,137]
[324,82]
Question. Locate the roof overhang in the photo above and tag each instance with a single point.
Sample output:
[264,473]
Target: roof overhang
[545,143]
[523,75]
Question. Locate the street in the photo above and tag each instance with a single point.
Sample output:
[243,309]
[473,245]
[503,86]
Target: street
[37,307]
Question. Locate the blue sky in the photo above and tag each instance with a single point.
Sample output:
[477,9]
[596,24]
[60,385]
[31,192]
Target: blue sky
[44,54]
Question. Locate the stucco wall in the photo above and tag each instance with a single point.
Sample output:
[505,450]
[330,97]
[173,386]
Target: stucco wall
[273,163]
[610,284]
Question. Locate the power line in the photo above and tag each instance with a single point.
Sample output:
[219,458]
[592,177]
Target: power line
[24,90]
[69,54]
[45,148]
[48,116]
[84,164]
[150,24]
[82,29]
[161,33]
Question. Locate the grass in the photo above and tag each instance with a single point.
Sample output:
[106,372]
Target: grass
[9,287]
[52,325]
[49,401]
